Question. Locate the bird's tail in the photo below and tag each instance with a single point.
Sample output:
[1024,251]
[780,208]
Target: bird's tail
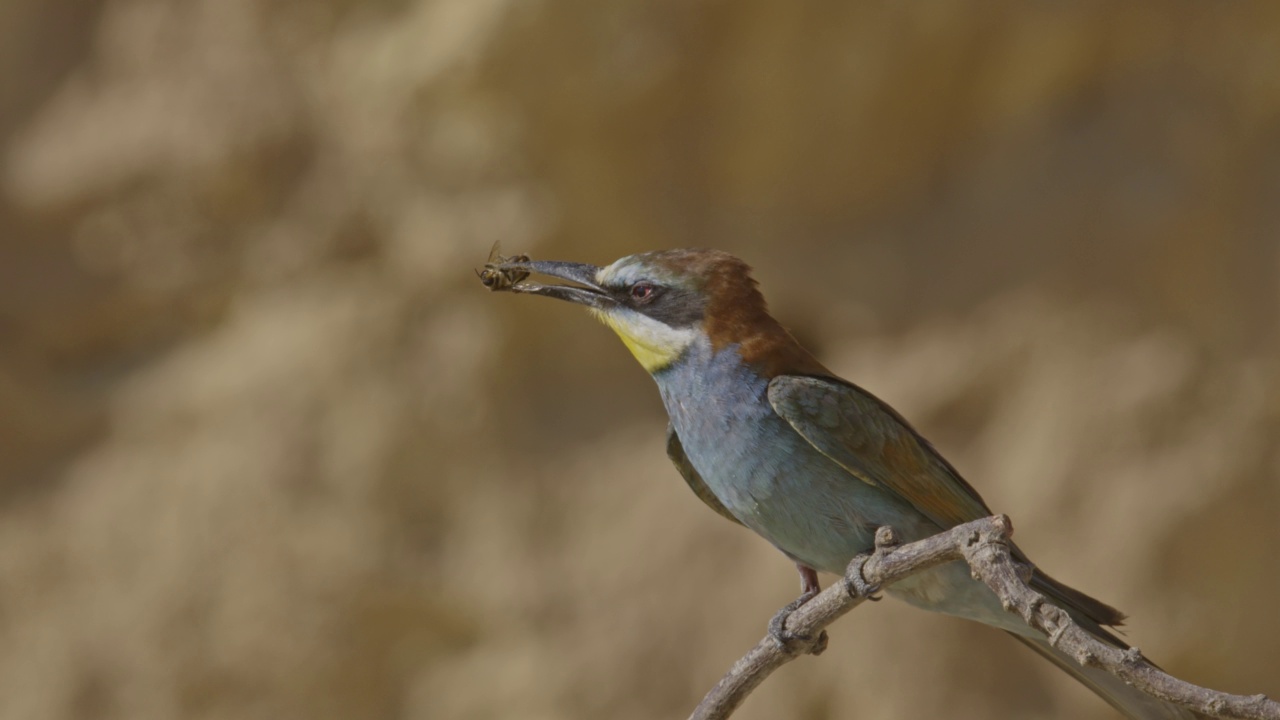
[1093,615]
[1130,701]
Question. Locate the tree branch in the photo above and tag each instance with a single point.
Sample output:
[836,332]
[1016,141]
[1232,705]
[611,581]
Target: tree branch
[983,544]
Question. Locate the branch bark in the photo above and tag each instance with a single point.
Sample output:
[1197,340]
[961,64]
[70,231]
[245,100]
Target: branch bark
[983,544]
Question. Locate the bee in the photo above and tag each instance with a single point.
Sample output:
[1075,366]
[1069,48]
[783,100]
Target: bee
[497,279]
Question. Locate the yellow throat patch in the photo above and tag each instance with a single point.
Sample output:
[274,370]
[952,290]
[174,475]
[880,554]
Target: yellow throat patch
[653,344]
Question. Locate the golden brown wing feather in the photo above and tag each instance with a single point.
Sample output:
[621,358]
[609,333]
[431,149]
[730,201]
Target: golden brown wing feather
[876,445]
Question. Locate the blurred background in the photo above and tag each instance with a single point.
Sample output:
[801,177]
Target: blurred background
[268,450]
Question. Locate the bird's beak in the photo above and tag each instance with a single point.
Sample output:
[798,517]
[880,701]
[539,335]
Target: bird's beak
[591,294]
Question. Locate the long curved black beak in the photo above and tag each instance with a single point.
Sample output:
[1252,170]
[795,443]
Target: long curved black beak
[591,294]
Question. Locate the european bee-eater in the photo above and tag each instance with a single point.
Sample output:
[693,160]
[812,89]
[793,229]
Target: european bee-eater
[771,439]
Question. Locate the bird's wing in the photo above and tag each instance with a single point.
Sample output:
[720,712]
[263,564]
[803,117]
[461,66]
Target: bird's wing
[876,445]
[872,441]
[675,451]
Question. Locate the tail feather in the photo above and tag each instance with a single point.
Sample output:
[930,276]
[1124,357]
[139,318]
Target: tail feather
[1130,701]
[1068,598]
[1094,615]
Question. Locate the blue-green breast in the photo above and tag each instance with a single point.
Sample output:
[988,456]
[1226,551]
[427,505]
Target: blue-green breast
[765,473]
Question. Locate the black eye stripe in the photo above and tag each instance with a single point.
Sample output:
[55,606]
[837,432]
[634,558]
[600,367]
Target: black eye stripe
[628,293]
[672,306]
[677,308]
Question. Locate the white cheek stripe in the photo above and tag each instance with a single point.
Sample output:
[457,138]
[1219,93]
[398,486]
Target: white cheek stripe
[653,343]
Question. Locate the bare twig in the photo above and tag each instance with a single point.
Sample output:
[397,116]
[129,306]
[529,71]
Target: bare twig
[983,544]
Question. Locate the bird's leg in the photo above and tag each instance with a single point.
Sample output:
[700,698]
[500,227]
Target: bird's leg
[790,641]
[856,584]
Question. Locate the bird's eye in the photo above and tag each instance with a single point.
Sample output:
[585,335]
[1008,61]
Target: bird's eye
[642,292]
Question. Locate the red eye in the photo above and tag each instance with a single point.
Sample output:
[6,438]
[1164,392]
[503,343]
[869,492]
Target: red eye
[642,292]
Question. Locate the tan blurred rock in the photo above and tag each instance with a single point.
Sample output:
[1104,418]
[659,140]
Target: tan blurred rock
[270,451]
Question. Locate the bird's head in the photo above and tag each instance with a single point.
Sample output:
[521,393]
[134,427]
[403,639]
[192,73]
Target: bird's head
[660,303]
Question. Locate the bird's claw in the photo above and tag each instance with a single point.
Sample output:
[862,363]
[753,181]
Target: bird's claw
[856,584]
[796,643]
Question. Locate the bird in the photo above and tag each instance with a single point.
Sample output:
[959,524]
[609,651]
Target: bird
[771,439]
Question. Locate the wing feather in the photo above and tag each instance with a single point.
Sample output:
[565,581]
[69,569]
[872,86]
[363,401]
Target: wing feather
[876,445]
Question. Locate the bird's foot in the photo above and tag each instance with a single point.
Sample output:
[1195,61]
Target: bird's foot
[796,643]
[856,584]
